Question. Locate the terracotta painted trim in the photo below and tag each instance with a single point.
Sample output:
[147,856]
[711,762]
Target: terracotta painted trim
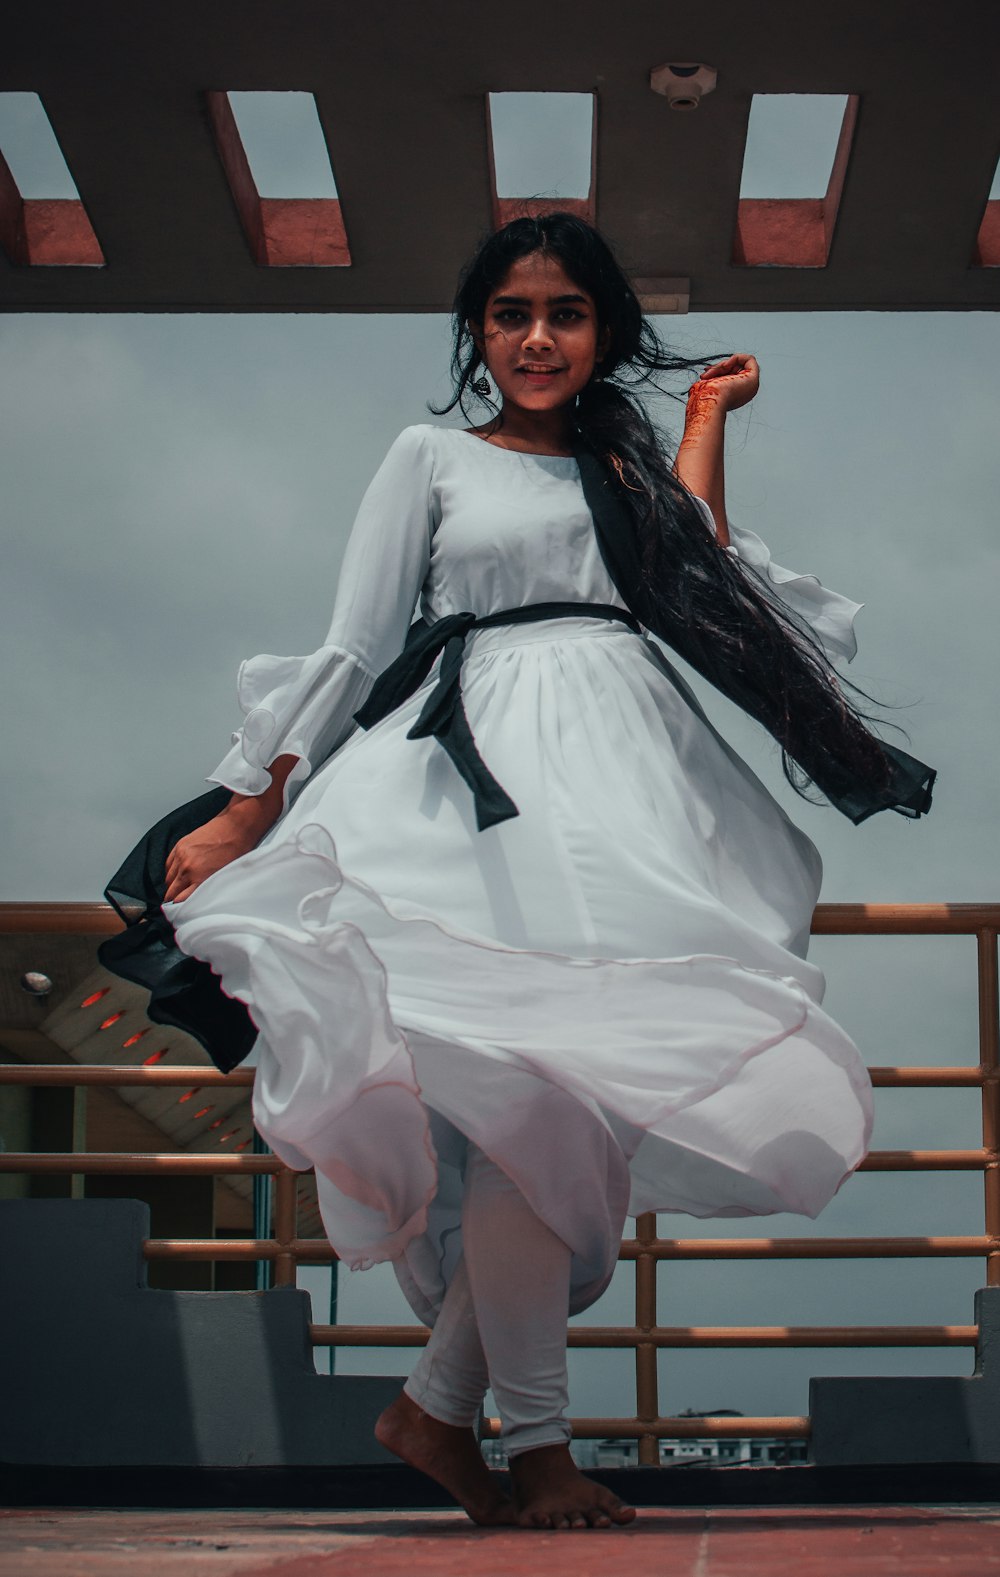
[987,251]
[237,168]
[302,232]
[40,232]
[780,232]
[838,170]
[12,237]
[58,234]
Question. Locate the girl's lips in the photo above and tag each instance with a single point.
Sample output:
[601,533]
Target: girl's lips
[539,375]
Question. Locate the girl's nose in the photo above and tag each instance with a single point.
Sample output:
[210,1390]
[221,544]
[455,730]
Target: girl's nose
[539,333]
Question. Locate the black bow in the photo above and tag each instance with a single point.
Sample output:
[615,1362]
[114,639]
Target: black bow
[443,715]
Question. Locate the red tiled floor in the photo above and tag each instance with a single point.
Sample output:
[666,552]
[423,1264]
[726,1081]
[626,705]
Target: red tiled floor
[805,1541]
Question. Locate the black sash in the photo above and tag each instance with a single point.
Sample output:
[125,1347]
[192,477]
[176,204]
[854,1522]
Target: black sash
[443,715]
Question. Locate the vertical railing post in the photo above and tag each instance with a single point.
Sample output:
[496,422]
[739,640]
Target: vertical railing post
[262,1192]
[78,1183]
[334,1313]
[647,1403]
[285,1204]
[989,1057]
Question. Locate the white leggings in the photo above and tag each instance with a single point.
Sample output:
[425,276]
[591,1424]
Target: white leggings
[503,1319]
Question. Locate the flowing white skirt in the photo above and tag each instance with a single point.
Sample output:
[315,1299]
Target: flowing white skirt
[608,994]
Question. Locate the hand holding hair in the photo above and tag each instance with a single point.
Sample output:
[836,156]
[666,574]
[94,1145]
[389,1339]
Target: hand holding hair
[726,385]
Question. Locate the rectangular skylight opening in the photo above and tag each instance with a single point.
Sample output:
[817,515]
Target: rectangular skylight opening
[542,149]
[29,145]
[43,223]
[795,160]
[791,144]
[277,163]
[284,144]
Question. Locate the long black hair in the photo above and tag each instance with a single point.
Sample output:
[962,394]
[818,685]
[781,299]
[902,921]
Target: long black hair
[723,618]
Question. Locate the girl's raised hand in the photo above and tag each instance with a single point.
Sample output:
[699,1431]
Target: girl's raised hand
[729,383]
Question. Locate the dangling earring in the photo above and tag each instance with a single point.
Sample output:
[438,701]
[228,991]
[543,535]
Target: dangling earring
[481,385]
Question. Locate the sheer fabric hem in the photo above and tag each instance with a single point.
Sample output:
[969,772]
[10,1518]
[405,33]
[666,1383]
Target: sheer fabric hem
[375,1019]
[830,615]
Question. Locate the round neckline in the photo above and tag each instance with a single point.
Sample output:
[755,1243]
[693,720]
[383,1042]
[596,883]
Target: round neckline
[523,454]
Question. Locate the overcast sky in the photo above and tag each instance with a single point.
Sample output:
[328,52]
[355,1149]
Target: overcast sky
[178,491]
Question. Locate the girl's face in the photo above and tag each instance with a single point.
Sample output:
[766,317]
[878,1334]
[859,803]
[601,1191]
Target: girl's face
[540,337]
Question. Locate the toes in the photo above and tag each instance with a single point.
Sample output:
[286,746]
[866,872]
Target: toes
[617,1510]
[539,1519]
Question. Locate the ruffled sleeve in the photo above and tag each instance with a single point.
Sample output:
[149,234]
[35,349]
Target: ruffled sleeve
[829,615]
[304,706]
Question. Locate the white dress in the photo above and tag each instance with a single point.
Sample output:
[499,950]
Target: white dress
[608,993]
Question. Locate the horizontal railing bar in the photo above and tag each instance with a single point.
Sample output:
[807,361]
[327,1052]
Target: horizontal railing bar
[311,1251]
[939,1078]
[47,919]
[904,919]
[754,1428]
[317,1251]
[829,919]
[87,1162]
[812,1248]
[928,1160]
[128,1074]
[93,1161]
[82,1073]
[212,1248]
[682,1336]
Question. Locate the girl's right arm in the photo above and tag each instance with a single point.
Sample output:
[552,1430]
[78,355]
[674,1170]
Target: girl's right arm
[298,710]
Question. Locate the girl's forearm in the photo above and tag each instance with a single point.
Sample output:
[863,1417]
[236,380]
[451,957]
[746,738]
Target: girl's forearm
[256,813]
[700,461]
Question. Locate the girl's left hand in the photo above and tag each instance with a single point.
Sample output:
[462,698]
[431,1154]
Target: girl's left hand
[728,384]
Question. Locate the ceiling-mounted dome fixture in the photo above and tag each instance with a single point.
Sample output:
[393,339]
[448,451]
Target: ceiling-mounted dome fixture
[683,83]
[35,983]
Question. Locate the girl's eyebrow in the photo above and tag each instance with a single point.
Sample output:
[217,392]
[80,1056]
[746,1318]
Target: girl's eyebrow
[523,301]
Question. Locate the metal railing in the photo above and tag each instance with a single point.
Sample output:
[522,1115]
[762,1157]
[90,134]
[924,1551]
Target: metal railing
[285,1250]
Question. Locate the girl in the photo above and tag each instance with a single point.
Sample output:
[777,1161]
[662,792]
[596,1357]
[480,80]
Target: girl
[525,951]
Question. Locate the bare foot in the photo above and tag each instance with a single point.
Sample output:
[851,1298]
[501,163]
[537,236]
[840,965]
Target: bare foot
[551,1492]
[447,1454]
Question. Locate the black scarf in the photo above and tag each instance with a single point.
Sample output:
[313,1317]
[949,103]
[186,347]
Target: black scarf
[910,782]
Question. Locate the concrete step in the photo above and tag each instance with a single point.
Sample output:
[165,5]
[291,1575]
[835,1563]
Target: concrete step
[98,1369]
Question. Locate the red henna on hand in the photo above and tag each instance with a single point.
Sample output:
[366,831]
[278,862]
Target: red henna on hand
[724,387]
[702,405]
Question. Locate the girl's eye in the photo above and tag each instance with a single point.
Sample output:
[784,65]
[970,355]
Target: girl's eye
[517,314]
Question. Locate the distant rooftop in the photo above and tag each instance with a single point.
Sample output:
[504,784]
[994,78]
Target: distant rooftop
[169,214]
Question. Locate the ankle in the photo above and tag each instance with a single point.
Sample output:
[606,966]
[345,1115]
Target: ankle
[417,1414]
[551,1455]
